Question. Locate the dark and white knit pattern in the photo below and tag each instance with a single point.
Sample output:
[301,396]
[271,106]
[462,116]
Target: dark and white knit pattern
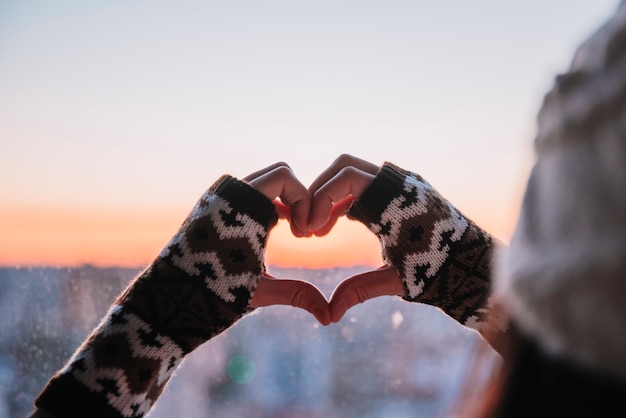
[125,361]
[199,285]
[227,226]
[419,199]
[443,258]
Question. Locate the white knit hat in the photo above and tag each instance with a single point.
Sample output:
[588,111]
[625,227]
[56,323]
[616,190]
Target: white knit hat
[564,277]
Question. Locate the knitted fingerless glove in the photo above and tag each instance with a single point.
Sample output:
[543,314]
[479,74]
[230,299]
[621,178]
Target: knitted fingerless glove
[443,258]
[199,285]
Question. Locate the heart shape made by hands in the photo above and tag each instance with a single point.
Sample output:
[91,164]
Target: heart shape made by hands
[351,291]
[315,211]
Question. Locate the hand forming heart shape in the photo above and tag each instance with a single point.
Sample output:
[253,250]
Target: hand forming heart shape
[206,286]
[314,211]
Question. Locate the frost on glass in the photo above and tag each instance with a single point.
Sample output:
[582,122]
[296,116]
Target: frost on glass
[386,357]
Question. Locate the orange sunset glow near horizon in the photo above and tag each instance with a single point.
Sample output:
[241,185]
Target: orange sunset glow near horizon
[131,238]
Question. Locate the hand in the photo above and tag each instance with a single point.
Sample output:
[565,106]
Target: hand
[292,200]
[336,188]
[443,258]
[300,294]
[333,192]
[383,281]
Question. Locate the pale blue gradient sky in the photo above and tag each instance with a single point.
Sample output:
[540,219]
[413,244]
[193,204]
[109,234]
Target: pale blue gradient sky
[140,103]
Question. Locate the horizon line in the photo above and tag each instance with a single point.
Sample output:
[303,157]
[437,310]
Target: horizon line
[130,267]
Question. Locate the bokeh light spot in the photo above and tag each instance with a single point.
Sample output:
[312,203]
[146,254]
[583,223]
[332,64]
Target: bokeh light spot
[396,319]
[241,369]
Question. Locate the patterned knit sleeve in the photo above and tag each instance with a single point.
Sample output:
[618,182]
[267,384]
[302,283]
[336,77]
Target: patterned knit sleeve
[199,285]
[443,258]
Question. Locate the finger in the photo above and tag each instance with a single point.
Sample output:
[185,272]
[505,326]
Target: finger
[284,211]
[338,209]
[344,160]
[347,176]
[265,170]
[349,182]
[271,291]
[279,182]
[361,287]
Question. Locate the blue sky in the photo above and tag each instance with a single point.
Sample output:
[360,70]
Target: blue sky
[145,103]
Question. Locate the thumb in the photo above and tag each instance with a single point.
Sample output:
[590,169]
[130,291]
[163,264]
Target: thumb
[284,211]
[339,208]
[297,293]
[383,281]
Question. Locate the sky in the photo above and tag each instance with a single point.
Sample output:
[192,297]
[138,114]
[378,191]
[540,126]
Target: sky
[116,116]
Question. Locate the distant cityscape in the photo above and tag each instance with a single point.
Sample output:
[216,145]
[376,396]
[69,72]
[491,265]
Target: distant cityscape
[386,358]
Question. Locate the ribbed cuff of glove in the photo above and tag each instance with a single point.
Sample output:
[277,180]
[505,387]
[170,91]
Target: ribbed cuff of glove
[443,258]
[199,285]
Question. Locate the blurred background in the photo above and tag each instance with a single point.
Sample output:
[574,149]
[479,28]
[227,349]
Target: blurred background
[385,358]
